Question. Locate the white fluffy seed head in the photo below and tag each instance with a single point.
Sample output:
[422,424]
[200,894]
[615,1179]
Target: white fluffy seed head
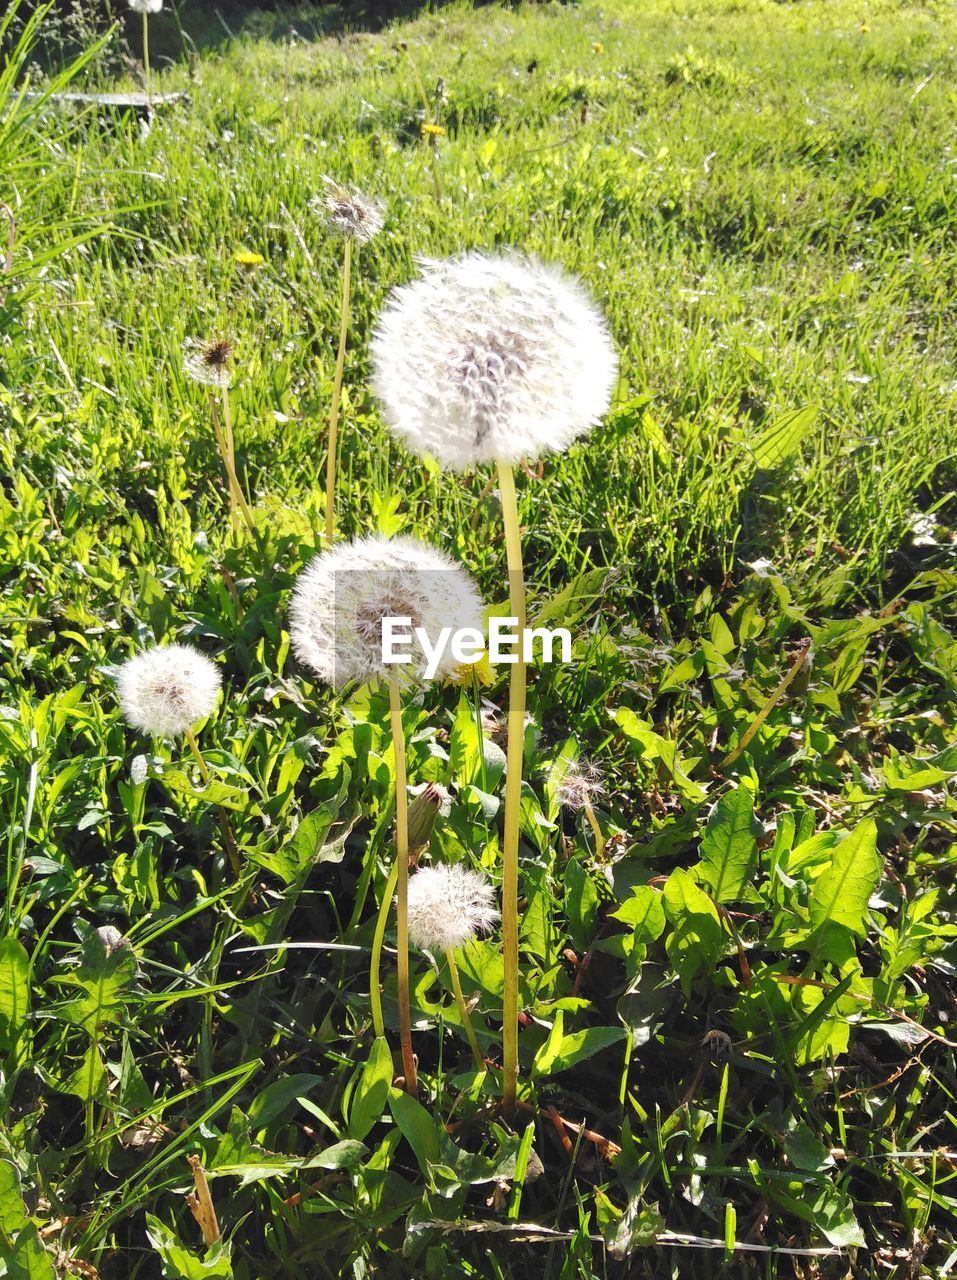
[582,784]
[491,357]
[209,363]
[145,6]
[164,691]
[448,906]
[342,597]
[348,213]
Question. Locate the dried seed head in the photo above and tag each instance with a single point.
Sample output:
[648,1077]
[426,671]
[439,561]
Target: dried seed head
[582,784]
[448,906]
[348,213]
[164,691]
[210,363]
[491,357]
[340,600]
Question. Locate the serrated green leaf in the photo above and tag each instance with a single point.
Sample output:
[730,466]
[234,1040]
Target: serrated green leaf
[841,892]
[729,850]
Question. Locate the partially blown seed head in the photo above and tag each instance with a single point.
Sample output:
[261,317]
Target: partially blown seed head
[164,691]
[582,784]
[348,213]
[342,597]
[145,6]
[448,906]
[209,363]
[491,357]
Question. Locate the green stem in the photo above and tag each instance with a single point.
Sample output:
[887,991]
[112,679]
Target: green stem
[402,887]
[513,787]
[596,829]
[375,990]
[331,457]
[464,1009]
[229,839]
[146,56]
[235,486]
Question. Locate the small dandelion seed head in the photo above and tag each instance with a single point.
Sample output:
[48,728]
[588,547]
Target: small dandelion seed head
[491,357]
[166,690]
[112,939]
[582,784]
[348,213]
[448,906]
[210,363]
[145,6]
[341,598]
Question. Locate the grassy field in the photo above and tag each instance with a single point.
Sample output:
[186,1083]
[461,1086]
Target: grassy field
[735,1004]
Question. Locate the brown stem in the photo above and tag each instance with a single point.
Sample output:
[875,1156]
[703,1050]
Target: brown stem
[201,1204]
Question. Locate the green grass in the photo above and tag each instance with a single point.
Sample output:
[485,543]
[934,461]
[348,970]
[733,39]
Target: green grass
[761,197]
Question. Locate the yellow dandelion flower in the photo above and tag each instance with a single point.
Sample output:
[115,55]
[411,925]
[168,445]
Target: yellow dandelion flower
[246,258]
[481,670]
[598,47]
[864,28]
[433,130]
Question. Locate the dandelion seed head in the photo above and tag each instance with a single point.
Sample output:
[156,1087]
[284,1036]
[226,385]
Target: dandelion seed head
[342,597]
[209,363]
[348,213]
[448,906]
[491,357]
[145,6]
[165,690]
[582,784]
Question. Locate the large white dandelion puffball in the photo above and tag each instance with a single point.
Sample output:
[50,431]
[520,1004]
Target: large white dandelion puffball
[491,358]
[145,6]
[164,691]
[341,598]
[448,905]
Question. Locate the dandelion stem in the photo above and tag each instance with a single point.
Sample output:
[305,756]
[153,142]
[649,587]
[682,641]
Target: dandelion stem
[402,886]
[464,1009]
[146,56]
[593,823]
[225,826]
[227,451]
[513,788]
[375,991]
[334,408]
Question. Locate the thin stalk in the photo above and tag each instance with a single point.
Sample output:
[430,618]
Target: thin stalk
[596,829]
[334,408]
[375,991]
[227,451]
[464,1009]
[232,849]
[402,887]
[769,706]
[513,788]
[146,56]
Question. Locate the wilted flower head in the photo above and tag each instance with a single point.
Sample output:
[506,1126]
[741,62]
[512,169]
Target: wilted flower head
[341,599]
[349,213]
[209,363]
[491,357]
[448,905]
[145,6]
[164,691]
[112,939]
[582,784]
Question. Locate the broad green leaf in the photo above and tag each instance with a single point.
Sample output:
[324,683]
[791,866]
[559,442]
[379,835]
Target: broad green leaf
[418,1127]
[782,439]
[655,747]
[28,1259]
[181,1264]
[729,849]
[697,938]
[372,1092]
[580,1045]
[581,903]
[277,1097]
[14,989]
[13,1214]
[841,892]
[644,911]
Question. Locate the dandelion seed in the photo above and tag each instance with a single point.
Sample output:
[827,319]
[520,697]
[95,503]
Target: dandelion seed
[210,363]
[349,213]
[582,785]
[491,358]
[341,599]
[166,690]
[448,906]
